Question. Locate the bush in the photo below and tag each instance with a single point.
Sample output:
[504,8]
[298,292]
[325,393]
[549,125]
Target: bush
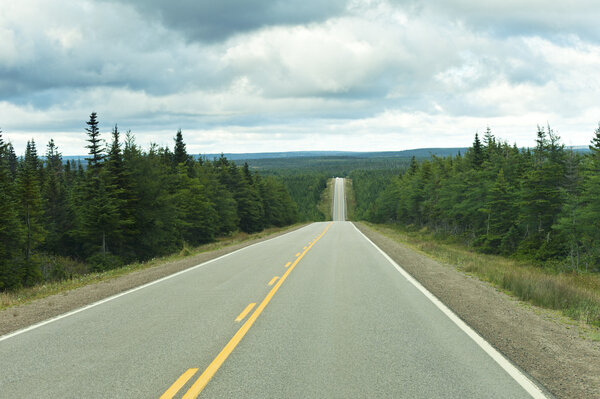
[102,262]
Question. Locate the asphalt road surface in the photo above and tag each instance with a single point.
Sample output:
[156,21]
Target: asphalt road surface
[339,201]
[317,313]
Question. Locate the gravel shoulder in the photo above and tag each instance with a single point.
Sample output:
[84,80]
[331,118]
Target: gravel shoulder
[554,352]
[22,316]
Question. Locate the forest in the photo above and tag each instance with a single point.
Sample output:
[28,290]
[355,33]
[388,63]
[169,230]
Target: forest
[306,176]
[540,204]
[124,204]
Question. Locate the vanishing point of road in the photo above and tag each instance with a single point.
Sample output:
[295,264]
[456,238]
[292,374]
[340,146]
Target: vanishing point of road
[319,312]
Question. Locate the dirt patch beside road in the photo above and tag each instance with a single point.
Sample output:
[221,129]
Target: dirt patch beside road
[21,316]
[553,352]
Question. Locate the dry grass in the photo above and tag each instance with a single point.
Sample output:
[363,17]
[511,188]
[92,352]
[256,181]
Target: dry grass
[577,295]
[24,295]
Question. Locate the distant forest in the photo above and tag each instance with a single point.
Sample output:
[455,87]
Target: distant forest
[125,204]
[541,204]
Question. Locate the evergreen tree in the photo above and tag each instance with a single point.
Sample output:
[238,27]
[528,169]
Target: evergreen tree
[501,215]
[96,151]
[97,206]
[55,199]
[196,214]
[587,209]
[179,152]
[31,210]
[120,191]
[476,153]
[414,166]
[12,160]
[11,229]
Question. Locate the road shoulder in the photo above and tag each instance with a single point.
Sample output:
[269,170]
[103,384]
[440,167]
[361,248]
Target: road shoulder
[552,352]
[22,316]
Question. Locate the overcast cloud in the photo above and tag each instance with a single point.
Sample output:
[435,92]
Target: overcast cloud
[240,76]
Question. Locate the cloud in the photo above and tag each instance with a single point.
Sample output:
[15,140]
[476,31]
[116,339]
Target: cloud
[215,21]
[282,72]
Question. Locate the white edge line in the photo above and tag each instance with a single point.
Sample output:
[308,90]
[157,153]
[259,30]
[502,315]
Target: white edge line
[160,280]
[514,372]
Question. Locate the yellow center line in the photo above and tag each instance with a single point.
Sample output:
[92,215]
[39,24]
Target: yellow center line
[212,368]
[287,264]
[245,311]
[304,248]
[273,280]
[298,254]
[173,389]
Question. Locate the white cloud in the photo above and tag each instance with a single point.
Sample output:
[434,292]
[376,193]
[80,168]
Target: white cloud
[368,75]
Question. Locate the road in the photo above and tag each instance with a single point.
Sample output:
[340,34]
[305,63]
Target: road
[339,201]
[317,313]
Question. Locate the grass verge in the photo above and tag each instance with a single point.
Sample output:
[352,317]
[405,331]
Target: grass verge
[576,295]
[25,295]
[326,201]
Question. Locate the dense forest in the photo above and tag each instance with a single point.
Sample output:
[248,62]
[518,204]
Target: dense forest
[540,203]
[124,204]
[305,177]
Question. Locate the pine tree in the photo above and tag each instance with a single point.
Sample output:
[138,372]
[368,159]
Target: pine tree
[12,160]
[414,166]
[97,207]
[501,214]
[587,213]
[96,151]
[490,145]
[476,153]
[31,210]
[120,189]
[11,229]
[196,214]
[179,153]
[55,198]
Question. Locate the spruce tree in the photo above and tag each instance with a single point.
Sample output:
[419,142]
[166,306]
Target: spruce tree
[120,189]
[96,151]
[502,214]
[477,156]
[179,153]
[11,228]
[55,199]
[588,211]
[12,159]
[30,201]
[97,208]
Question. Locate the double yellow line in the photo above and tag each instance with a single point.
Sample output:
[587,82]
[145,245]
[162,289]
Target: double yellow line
[212,368]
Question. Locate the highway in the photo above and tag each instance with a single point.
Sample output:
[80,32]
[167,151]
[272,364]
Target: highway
[317,313]
[339,201]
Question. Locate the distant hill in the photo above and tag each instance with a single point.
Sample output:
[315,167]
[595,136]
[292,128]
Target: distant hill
[418,153]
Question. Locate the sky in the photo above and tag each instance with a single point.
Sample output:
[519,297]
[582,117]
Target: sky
[293,75]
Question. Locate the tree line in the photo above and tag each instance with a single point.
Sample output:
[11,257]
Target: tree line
[540,203]
[126,204]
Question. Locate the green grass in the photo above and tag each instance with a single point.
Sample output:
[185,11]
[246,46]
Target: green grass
[576,295]
[24,295]
[326,201]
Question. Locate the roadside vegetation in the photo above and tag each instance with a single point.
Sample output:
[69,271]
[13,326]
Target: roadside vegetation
[576,295]
[350,200]
[62,219]
[82,275]
[305,190]
[326,202]
[540,204]
[526,220]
